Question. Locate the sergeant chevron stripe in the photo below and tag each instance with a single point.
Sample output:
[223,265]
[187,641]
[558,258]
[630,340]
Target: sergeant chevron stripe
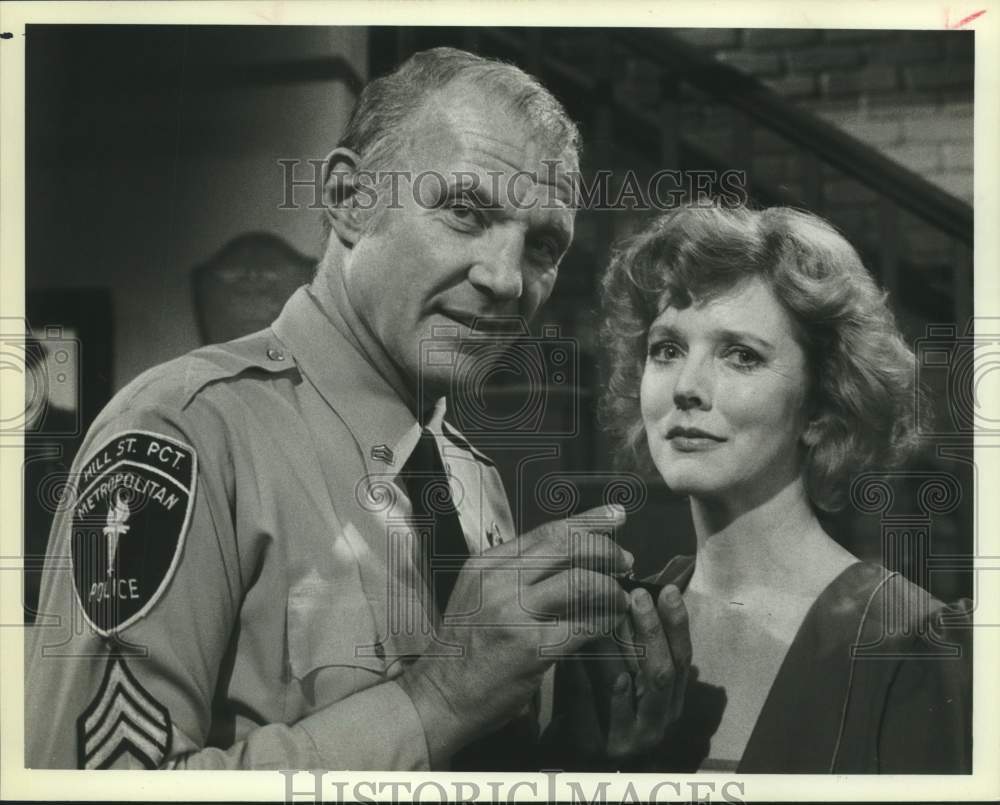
[122,718]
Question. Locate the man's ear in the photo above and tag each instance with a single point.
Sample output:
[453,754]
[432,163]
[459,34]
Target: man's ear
[340,194]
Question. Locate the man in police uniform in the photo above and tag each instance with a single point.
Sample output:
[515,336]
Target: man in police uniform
[242,579]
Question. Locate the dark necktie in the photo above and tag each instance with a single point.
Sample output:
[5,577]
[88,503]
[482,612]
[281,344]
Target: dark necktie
[440,557]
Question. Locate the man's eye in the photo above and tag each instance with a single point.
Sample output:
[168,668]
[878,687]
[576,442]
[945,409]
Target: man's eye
[465,212]
[548,249]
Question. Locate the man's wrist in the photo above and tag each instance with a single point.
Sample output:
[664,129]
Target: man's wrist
[444,730]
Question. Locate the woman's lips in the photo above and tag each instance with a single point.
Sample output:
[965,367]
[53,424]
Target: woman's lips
[689,440]
[691,444]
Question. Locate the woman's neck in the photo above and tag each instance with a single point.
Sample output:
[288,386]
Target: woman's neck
[777,544]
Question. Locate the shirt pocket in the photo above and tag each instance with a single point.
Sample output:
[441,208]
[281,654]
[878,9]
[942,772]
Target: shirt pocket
[333,649]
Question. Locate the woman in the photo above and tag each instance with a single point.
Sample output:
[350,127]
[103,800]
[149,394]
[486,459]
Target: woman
[756,367]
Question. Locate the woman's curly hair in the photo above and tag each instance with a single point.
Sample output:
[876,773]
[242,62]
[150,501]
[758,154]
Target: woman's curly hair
[861,373]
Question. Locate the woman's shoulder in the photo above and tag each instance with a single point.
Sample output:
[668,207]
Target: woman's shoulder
[911,663]
[900,615]
[868,604]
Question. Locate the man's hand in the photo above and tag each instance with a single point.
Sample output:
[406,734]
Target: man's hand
[549,588]
[622,704]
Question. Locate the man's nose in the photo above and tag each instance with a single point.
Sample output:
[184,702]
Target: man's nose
[499,271]
[694,386]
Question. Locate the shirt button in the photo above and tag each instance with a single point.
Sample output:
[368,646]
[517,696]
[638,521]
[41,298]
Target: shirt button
[379,650]
[275,354]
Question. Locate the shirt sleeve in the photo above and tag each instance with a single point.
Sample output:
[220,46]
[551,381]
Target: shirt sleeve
[139,606]
[926,726]
[377,728]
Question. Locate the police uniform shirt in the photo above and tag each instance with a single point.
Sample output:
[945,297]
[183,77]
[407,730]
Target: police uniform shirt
[233,584]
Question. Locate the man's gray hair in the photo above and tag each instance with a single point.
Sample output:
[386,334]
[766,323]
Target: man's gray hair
[378,125]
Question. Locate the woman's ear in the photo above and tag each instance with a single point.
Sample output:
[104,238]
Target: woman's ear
[340,194]
[813,431]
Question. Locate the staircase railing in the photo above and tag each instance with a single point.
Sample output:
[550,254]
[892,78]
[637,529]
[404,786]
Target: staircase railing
[813,134]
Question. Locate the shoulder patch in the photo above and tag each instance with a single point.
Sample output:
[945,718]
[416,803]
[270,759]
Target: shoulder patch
[130,518]
[122,719]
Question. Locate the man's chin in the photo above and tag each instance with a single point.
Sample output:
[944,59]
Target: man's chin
[433,383]
[450,382]
[465,365]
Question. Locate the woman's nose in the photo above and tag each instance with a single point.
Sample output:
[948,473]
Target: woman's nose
[693,388]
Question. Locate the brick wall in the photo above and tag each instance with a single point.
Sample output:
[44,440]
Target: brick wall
[907,93]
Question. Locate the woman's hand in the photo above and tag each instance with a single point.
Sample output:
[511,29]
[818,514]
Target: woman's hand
[647,696]
[620,703]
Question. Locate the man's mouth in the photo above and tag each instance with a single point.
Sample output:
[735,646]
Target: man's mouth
[486,324]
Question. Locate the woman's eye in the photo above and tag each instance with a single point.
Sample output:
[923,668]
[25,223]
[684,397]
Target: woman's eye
[664,351]
[743,357]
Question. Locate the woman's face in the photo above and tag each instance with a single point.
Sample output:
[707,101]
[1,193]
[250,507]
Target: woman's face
[723,395]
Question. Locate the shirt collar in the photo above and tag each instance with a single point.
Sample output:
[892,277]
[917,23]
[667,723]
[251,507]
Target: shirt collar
[350,370]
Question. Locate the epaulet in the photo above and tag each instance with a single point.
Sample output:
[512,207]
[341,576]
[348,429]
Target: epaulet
[179,381]
[456,436]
